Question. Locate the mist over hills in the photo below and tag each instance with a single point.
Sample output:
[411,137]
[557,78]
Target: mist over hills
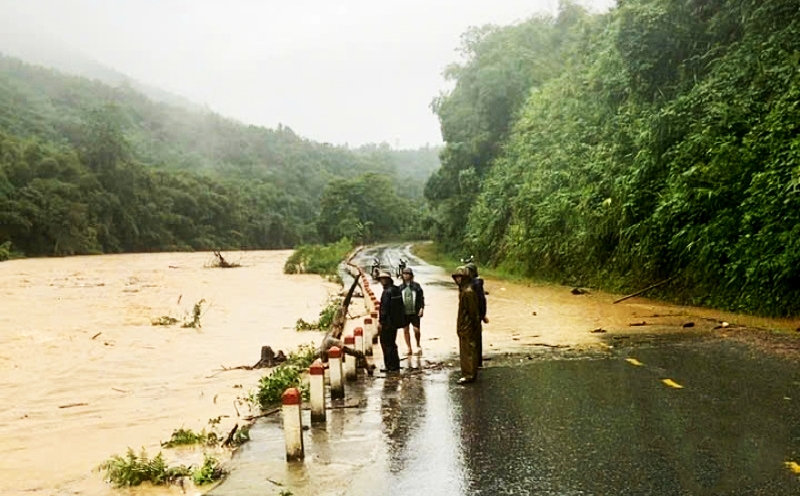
[37,50]
[120,159]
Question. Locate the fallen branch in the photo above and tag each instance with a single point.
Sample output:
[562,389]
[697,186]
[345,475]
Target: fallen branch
[263,414]
[229,439]
[550,345]
[240,367]
[73,405]
[222,263]
[648,288]
[99,333]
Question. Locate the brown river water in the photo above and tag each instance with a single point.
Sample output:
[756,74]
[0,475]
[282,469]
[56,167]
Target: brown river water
[134,383]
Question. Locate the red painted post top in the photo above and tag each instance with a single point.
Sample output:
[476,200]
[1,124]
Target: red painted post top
[367,321]
[350,340]
[334,352]
[358,331]
[317,368]
[291,397]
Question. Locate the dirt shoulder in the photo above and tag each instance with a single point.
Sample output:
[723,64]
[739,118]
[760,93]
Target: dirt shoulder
[527,315]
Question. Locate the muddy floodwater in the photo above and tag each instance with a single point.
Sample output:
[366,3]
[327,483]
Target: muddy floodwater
[84,374]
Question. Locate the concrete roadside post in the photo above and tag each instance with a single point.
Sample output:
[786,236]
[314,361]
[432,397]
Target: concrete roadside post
[358,333]
[293,424]
[367,336]
[374,336]
[335,372]
[317,385]
[350,361]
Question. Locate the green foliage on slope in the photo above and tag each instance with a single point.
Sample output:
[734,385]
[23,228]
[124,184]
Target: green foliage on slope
[666,146]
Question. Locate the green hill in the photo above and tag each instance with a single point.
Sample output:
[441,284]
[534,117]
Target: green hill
[656,141]
[87,167]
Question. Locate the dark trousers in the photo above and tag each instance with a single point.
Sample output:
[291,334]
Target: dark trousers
[468,349]
[391,358]
[480,345]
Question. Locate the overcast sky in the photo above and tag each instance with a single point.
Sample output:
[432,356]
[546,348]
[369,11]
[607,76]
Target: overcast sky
[352,71]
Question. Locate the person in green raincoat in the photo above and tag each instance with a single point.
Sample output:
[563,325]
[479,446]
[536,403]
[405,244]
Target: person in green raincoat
[468,325]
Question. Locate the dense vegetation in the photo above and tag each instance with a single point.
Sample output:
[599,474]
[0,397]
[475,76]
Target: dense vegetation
[318,259]
[659,139]
[90,168]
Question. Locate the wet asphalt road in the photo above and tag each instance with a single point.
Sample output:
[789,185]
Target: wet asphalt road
[578,426]
[674,416]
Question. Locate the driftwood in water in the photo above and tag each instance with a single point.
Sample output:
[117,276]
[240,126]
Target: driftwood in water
[222,263]
[648,288]
[269,358]
[229,440]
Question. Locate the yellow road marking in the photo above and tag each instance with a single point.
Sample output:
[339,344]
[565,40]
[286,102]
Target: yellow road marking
[671,383]
[794,467]
[634,361]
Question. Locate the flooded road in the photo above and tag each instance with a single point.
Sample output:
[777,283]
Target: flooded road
[77,331]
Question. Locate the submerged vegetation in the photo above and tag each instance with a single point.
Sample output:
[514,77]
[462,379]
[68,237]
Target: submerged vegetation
[186,437]
[618,150]
[134,470]
[190,321]
[326,316]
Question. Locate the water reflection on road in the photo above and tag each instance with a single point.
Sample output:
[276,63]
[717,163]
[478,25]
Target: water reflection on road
[577,426]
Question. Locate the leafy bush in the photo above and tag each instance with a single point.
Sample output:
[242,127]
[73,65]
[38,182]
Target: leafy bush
[5,251]
[326,316]
[134,470]
[209,472]
[286,375]
[271,387]
[318,259]
[302,357]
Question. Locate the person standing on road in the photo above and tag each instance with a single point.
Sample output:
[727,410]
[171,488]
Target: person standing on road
[477,286]
[467,325]
[414,306]
[390,320]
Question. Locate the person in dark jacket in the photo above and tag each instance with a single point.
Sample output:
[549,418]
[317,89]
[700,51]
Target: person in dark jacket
[477,286]
[467,325]
[390,320]
[413,306]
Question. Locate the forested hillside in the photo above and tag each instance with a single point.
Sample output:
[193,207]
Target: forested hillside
[658,140]
[89,168]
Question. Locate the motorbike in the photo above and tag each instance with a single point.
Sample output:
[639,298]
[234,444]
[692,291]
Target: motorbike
[403,264]
[376,269]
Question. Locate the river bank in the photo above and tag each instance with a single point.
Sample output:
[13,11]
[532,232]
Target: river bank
[85,375]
